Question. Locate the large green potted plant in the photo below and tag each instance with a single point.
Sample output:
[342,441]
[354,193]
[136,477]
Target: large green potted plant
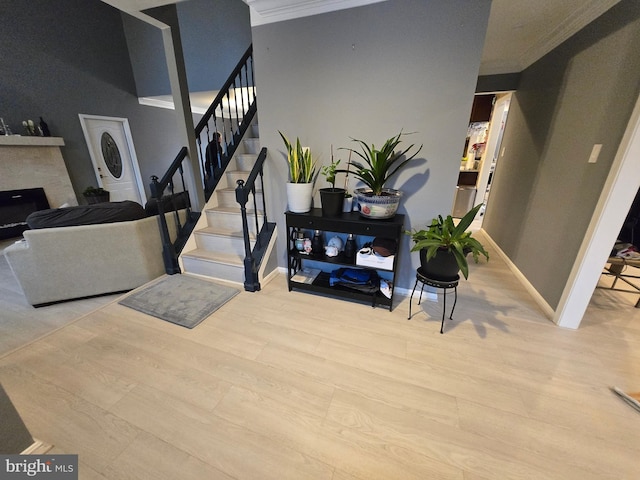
[302,171]
[444,246]
[377,167]
[331,198]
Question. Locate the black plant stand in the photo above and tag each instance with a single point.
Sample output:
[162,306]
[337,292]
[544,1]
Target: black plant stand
[443,284]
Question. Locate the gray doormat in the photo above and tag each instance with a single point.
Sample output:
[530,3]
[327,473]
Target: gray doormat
[180,299]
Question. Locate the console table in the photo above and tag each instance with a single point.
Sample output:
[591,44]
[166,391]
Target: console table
[364,231]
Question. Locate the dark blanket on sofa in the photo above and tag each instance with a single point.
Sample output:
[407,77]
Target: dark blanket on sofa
[176,201]
[108,212]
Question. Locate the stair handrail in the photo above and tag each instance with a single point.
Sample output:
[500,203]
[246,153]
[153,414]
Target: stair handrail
[226,139]
[253,258]
[234,125]
[170,250]
[227,85]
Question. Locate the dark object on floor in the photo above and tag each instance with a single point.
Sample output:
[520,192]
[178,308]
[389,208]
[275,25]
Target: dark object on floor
[180,299]
[14,437]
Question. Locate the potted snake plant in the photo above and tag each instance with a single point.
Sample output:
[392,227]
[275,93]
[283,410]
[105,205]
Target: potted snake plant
[302,171]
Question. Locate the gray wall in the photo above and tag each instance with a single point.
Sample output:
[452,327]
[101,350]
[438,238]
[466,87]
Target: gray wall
[59,62]
[369,72]
[544,192]
[214,34]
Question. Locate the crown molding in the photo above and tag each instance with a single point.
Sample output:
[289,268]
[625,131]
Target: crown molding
[576,21]
[498,67]
[271,11]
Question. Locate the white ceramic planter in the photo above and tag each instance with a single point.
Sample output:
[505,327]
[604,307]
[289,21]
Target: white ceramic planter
[299,196]
[377,207]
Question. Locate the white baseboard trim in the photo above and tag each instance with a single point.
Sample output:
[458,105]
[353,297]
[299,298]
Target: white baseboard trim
[38,447]
[542,303]
[272,275]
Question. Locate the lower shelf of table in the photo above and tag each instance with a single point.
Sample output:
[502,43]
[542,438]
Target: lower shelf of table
[321,285]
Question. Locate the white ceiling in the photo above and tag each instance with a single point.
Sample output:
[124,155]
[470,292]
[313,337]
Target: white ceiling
[522,31]
[519,31]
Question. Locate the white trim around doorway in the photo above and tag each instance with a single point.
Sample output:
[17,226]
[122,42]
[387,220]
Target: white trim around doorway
[130,146]
[617,195]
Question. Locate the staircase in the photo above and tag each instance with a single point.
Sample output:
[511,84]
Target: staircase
[216,247]
[231,239]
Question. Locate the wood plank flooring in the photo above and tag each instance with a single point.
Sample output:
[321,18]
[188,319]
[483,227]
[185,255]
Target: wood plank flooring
[20,323]
[288,385]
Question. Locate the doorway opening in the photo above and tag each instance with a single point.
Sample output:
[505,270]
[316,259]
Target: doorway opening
[482,150]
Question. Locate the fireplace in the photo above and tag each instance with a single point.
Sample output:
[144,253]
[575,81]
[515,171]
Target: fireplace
[15,207]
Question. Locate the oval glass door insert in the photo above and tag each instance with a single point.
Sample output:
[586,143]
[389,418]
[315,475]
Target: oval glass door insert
[111,155]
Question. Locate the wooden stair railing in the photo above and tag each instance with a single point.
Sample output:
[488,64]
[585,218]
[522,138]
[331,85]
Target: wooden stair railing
[171,250]
[218,135]
[253,258]
[225,122]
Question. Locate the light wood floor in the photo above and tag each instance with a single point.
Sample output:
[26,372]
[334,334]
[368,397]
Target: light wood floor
[287,385]
[20,323]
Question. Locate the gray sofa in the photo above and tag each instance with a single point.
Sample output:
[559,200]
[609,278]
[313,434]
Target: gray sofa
[68,262]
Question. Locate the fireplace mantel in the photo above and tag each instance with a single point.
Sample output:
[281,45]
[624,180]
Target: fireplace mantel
[20,141]
[32,162]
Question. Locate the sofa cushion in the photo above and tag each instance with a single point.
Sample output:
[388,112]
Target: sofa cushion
[108,212]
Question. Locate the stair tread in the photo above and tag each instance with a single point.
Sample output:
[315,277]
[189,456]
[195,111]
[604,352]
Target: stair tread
[218,257]
[230,210]
[222,232]
[231,189]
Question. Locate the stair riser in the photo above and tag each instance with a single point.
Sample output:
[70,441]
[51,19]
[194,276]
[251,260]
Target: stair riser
[212,269]
[246,161]
[231,222]
[217,243]
[233,177]
[251,145]
[227,198]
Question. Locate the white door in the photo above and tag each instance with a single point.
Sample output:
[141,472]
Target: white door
[113,156]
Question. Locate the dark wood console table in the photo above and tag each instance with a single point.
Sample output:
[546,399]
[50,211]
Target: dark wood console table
[363,229]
